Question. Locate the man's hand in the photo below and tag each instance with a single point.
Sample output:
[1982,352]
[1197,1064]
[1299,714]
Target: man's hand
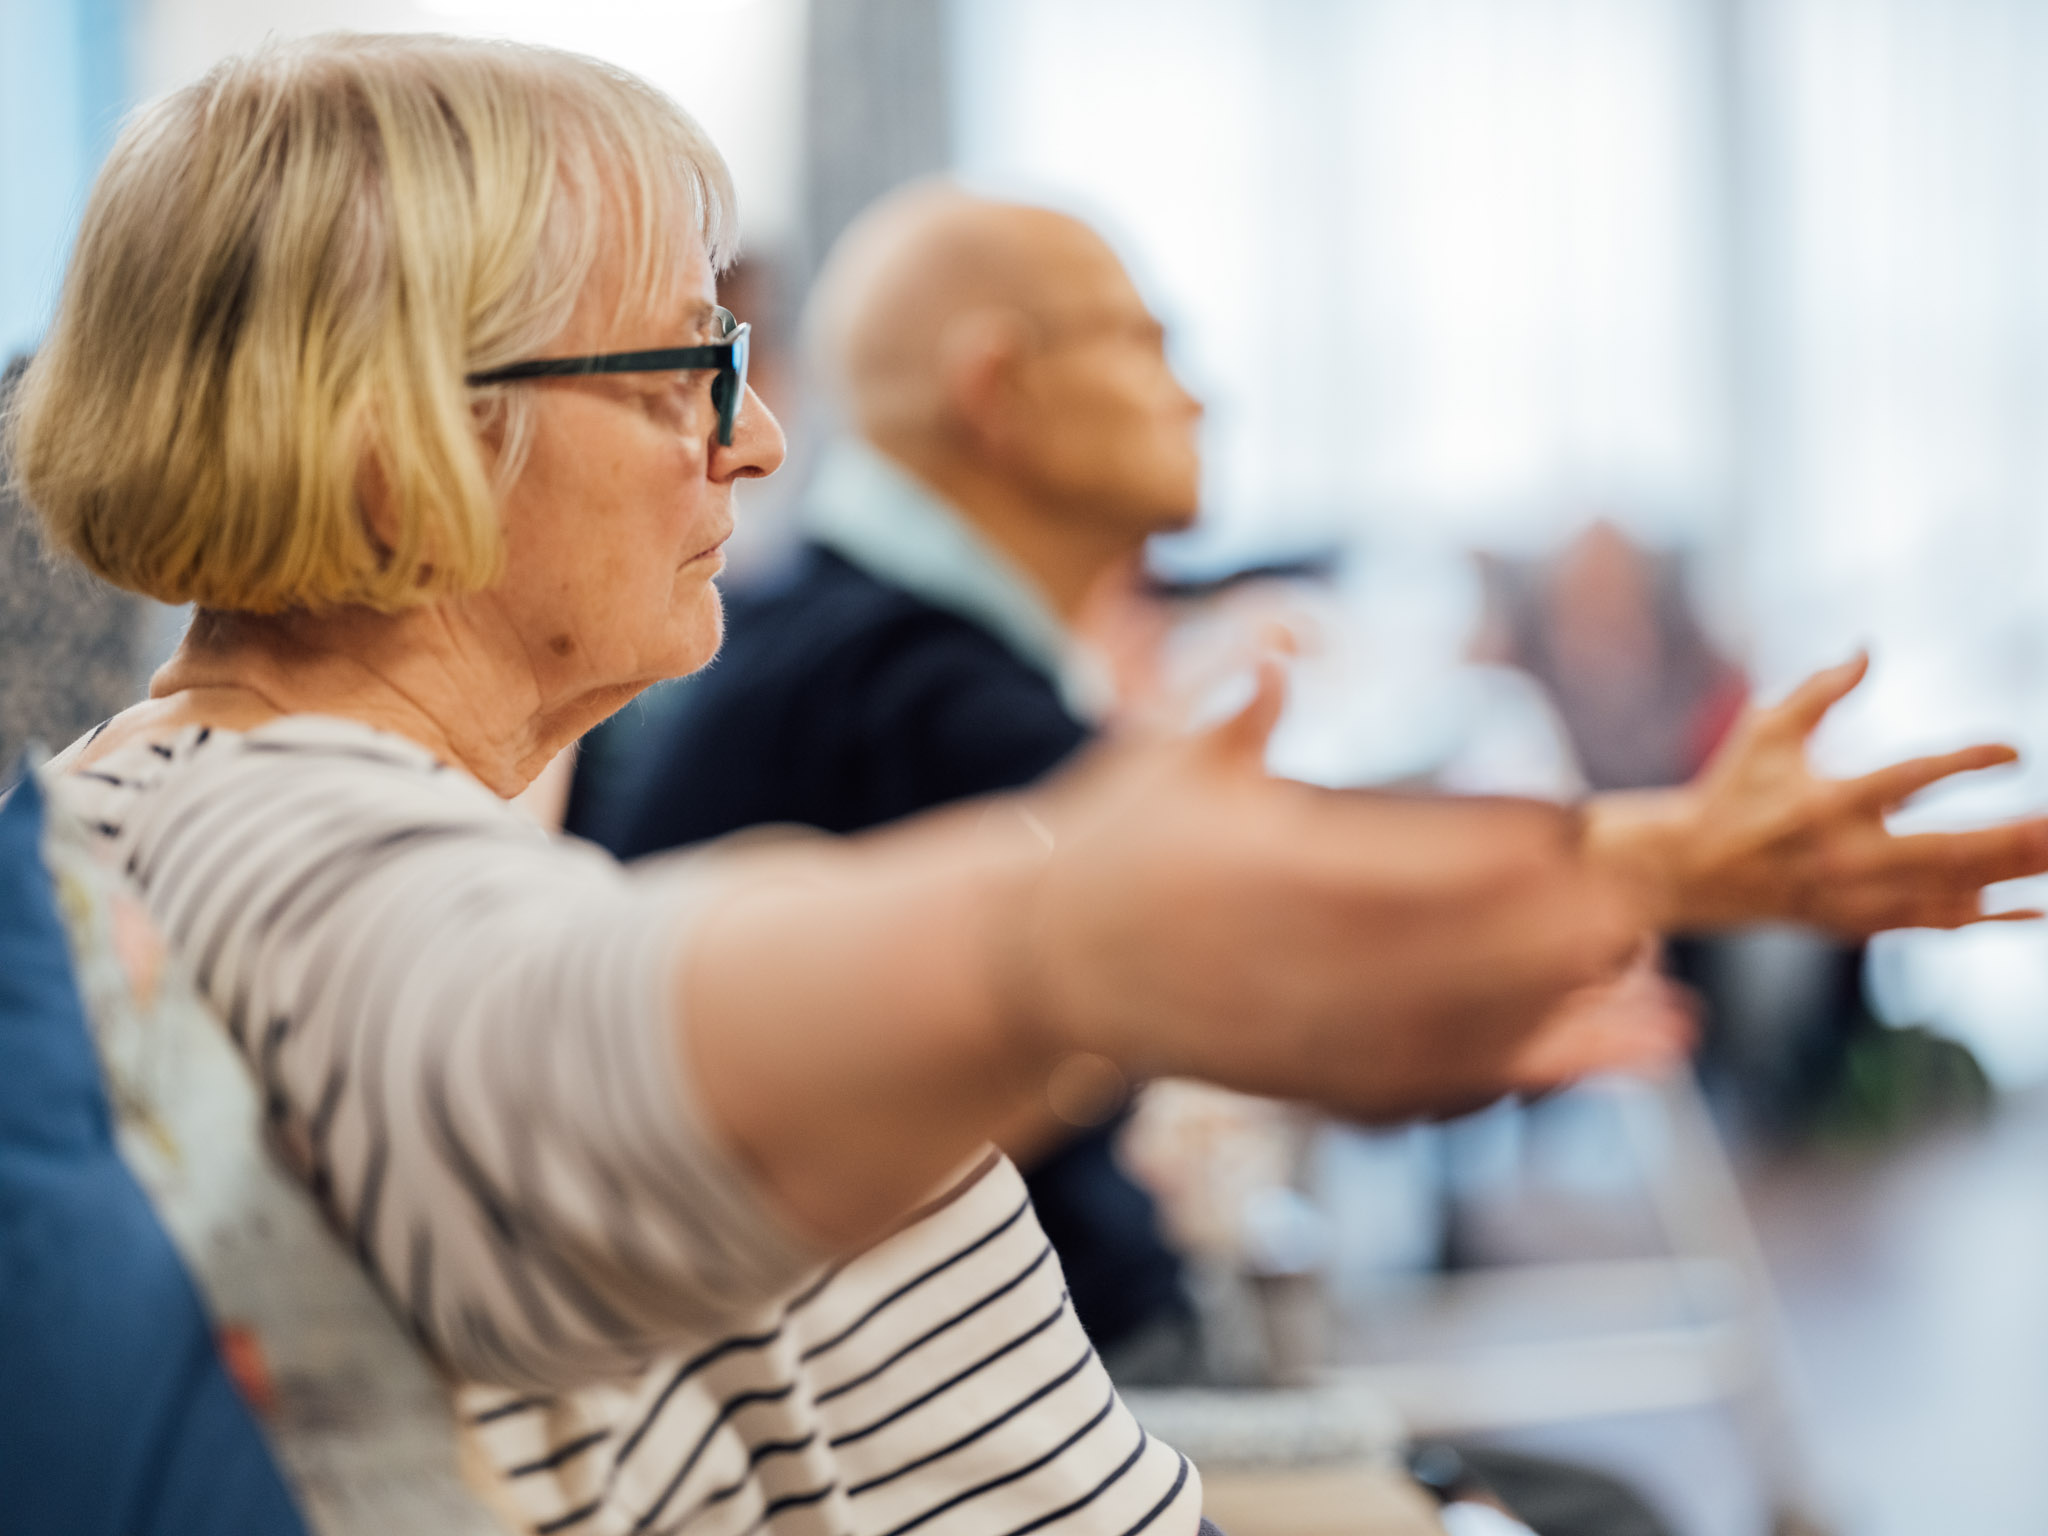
[1759,837]
[1380,955]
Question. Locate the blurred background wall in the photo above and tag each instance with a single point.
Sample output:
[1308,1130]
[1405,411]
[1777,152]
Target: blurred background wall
[64,83]
[1763,278]
[1765,281]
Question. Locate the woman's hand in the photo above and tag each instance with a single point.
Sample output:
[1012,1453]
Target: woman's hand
[1759,837]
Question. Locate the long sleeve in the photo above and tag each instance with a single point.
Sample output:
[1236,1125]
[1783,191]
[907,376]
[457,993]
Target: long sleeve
[465,1035]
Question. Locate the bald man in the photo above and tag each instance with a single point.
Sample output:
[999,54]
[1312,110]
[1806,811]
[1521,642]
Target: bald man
[1015,435]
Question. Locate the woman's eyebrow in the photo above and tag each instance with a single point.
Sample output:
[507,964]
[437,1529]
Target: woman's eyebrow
[659,322]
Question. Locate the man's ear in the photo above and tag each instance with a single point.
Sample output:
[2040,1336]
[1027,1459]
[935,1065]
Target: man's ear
[979,354]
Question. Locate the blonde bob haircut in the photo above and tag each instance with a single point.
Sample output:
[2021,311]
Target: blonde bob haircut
[283,276]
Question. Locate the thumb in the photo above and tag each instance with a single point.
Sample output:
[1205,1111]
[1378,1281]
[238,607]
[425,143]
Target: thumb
[1244,735]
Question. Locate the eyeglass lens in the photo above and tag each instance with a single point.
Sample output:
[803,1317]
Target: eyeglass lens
[729,388]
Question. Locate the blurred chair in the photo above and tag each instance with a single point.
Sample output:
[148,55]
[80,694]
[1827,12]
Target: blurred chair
[1517,1334]
[155,1258]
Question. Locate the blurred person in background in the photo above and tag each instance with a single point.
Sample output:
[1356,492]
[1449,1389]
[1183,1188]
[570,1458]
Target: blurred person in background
[1609,629]
[398,358]
[1015,436]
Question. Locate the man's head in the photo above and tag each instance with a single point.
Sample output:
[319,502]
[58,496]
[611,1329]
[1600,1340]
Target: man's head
[1009,339]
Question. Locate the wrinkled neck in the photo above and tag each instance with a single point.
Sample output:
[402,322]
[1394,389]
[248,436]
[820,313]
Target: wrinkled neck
[435,675]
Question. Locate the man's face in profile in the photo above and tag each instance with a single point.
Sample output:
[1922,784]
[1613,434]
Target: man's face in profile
[1105,428]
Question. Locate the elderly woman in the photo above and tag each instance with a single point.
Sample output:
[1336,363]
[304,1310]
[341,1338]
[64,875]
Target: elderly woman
[400,360]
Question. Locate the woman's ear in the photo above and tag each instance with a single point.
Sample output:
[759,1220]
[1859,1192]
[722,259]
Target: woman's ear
[376,504]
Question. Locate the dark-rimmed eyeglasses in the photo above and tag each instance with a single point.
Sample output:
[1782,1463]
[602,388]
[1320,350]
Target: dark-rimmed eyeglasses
[728,355]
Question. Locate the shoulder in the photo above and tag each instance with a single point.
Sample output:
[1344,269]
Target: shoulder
[323,747]
[840,663]
[828,629]
[300,779]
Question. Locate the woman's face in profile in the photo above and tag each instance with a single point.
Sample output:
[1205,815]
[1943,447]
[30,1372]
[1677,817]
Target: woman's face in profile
[618,520]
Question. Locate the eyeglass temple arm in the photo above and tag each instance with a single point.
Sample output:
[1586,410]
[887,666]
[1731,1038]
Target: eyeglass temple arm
[718,355]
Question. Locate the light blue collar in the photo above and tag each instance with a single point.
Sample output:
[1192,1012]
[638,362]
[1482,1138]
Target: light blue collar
[869,510]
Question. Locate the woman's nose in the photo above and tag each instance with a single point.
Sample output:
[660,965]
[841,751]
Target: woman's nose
[758,446]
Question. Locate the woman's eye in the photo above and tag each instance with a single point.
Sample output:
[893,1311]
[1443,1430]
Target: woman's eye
[663,402]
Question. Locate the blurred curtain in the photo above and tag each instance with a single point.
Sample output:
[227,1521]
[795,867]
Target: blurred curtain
[1434,262]
[1898,176]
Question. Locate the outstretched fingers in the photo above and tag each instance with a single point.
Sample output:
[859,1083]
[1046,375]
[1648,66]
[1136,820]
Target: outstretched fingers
[1803,709]
[1893,785]
[1925,910]
[1929,879]
[1973,859]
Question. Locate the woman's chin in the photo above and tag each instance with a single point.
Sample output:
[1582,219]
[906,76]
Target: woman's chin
[700,633]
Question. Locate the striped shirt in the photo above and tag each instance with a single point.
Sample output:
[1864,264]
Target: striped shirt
[463,1034]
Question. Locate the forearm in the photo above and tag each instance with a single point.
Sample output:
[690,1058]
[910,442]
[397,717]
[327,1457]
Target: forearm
[844,1017]
[1642,838]
[859,1018]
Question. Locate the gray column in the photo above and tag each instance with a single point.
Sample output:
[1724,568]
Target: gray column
[878,107]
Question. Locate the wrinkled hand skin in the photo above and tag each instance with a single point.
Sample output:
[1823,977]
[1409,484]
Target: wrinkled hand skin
[1380,955]
[1759,837]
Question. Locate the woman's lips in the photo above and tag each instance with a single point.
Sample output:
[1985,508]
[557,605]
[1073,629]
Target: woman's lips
[711,551]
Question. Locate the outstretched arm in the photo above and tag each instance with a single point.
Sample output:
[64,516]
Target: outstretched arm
[861,1016]
[1759,837]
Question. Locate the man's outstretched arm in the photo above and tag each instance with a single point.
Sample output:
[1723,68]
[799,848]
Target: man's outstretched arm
[1759,837]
